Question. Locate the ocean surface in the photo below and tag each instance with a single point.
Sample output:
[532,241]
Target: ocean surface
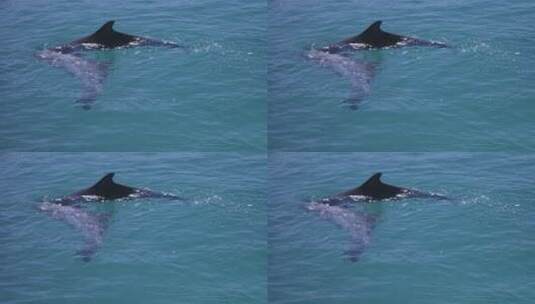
[280,126]
[208,96]
[208,248]
[476,247]
[477,95]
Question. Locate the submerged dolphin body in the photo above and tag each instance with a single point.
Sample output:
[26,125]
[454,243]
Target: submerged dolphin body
[374,190]
[358,72]
[92,73]
[107,189]
[92,226]
[358,223]
[374,38]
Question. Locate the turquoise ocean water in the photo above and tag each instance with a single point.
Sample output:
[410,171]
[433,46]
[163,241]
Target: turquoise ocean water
[249,125]
[475,248]
[208,248]
[476,96]
[207,97]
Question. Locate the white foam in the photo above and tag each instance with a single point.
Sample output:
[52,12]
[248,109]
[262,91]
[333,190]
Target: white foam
[358,45]
[358,197]
[91,197]
[92,45]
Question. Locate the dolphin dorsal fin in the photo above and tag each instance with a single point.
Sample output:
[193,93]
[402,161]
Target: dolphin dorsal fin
[372,30]
[107,28]
[373,181]
[106,181]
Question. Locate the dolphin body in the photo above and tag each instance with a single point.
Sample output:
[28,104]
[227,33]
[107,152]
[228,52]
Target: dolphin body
[107,38]
[92,73]
[375,38]
[360,73]
[107,189]
[358,223]
[375,190]
[92,226]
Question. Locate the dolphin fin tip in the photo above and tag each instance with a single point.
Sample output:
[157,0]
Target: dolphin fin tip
[375,27]
[105,180]
[106,27]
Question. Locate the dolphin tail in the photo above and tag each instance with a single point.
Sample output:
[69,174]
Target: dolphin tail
[94,240]
[353,102]
[353,254]
[86,100]
[93,86]
[87,253]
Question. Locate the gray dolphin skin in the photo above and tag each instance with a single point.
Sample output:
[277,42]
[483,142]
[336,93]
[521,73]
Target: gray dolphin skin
[359,73]
[358,224]
[92,73]
[375,38]
[374,189]
[91,226]
[107,189]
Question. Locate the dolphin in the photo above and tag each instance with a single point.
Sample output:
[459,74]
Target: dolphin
[92,226]
[93,73]
[375,38]
[107,38]
[107,189]
[359,223]
[375,190]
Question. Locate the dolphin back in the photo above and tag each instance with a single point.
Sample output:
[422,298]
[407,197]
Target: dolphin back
[374,37]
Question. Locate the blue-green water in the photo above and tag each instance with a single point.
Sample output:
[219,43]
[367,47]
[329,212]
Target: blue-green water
[475,248]
[209,97]
[249,90]
[476,96]
[209,248]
